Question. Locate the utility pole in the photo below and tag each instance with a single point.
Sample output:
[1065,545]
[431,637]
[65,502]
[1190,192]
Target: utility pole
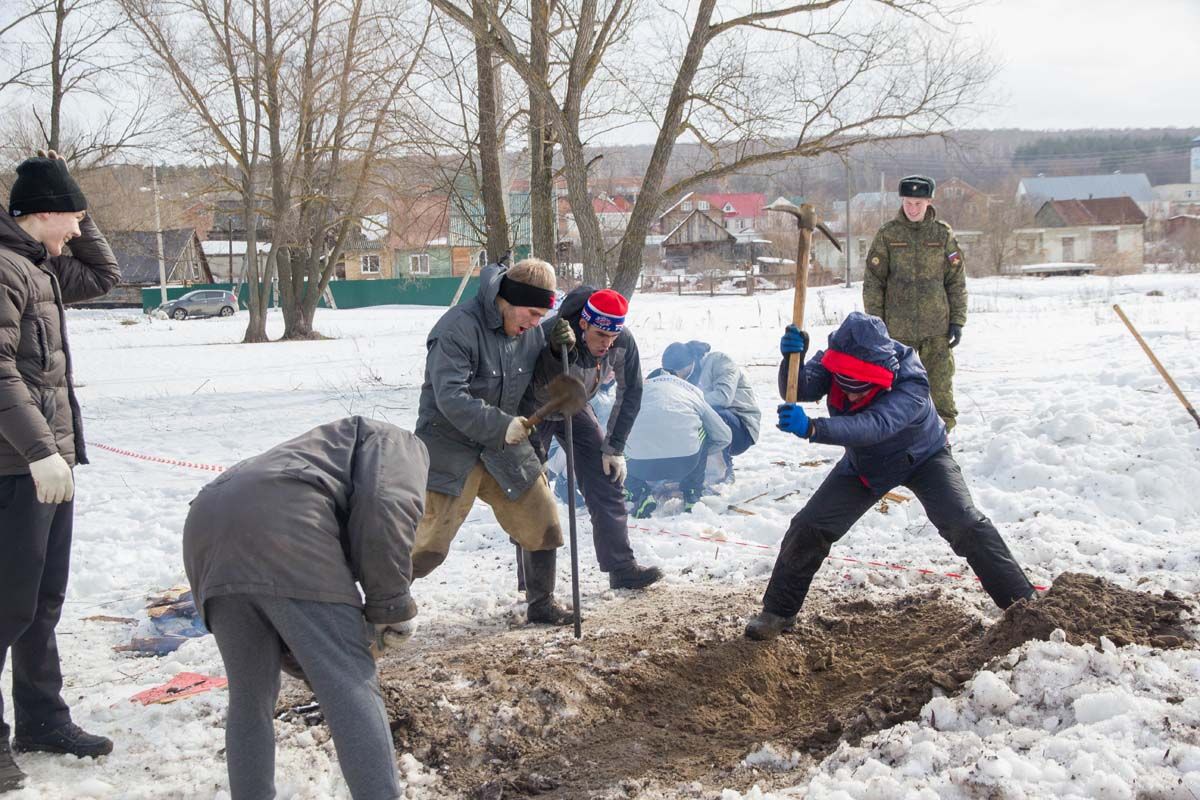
[849,248]
[162,263]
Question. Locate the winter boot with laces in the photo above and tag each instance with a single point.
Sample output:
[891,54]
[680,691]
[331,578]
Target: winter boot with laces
[69,739]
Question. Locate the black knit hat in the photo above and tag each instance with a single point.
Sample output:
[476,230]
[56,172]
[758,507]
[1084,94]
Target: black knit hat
[43,184]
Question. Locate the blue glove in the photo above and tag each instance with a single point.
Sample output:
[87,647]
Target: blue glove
[793,420]
[794,341]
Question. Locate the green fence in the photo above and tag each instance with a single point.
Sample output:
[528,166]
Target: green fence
[347,294]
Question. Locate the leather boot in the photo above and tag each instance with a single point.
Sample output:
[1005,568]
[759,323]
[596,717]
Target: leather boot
[540,574]
[11,776]
[765,626]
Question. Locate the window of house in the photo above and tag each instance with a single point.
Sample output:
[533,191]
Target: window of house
[419,264]
[369,264]
[702,205]
[685,205]
[728,209]
[1068,248]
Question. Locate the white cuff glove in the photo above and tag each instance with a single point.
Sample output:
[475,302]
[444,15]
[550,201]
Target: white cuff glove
[52,479]
[390,634]
[614,467]
[517,432]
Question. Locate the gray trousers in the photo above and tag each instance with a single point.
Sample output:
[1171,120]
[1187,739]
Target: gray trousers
[331,643]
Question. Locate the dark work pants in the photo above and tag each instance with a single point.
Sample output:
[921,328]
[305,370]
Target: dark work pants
[842,499]
[330,642]
[35,559]
[688,470]
[604,497]
[741,438]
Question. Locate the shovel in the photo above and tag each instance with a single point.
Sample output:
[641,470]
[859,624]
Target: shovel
[567,397]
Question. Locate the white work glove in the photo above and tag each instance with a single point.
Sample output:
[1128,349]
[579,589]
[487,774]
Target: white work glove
[517,432]
[52,479]
[614,467]
[390,634]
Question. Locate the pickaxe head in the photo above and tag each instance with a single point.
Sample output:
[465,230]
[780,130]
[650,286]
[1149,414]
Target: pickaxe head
[806,218]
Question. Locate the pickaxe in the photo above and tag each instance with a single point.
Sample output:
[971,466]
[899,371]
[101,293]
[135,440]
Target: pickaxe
[806,222]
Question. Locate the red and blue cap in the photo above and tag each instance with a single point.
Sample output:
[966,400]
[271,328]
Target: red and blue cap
[606,310]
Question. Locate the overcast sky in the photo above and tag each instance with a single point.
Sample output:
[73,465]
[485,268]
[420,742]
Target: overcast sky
[1093,63]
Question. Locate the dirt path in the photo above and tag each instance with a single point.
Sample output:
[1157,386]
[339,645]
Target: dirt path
[664,692]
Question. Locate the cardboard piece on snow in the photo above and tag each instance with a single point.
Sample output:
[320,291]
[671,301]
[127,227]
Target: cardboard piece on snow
[185,684]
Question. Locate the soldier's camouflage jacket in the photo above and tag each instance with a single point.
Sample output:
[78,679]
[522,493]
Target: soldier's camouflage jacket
[915,280]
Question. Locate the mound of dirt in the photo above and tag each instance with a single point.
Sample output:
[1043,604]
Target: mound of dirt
[665,692]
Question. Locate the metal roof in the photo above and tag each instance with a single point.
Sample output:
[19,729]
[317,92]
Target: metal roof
[1085,187]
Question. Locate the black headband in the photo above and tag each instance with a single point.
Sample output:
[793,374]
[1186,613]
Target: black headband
[524,294]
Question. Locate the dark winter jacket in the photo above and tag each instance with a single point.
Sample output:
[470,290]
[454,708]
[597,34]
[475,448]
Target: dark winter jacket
[310,518]
[621,359]
[893,433]
[725,385]
[39,415]
[476,381]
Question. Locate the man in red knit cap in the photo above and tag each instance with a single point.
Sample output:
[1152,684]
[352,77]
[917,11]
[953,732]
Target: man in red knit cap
[598,321]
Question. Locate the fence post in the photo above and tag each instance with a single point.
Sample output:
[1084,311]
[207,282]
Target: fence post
[679,285]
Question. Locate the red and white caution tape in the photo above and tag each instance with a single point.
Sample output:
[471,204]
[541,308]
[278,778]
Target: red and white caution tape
[157,459]
[708,537]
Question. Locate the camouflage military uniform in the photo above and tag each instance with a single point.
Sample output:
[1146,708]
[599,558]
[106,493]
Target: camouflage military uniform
[916,283]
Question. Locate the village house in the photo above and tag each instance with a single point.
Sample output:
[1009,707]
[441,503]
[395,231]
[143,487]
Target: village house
[1109,232]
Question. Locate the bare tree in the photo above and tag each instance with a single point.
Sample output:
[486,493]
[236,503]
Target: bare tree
[18,61]
[85,96]
[735,84]
[303,89]
[999,241]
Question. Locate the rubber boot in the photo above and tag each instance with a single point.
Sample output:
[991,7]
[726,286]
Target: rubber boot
[765,626]
[540,574]
[11,776]
[520,569]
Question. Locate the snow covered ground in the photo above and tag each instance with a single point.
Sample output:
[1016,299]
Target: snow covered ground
[1069,439]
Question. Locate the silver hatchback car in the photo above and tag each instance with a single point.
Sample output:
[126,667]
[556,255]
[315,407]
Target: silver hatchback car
[201,303]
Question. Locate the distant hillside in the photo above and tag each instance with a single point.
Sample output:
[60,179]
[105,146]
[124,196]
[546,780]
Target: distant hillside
[991,160]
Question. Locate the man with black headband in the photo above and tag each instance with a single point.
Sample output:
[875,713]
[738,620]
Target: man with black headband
[881,412]
[606,346]
[480,360]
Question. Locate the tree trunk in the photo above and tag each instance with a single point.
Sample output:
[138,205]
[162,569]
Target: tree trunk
[543,229]
[633,242]
[591,241]
[491,182]
[256,328]
[54,140]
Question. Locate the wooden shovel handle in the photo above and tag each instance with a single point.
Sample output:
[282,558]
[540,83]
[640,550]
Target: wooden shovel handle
[1158,365]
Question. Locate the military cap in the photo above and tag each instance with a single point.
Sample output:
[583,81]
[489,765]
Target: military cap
[917,186]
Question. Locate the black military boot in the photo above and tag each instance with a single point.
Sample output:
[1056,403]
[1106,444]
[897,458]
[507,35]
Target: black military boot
[634,577]
[765,626]
[11,777]
[69,739]
[540,574]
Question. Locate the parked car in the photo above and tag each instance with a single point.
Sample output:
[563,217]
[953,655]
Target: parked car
[201,303]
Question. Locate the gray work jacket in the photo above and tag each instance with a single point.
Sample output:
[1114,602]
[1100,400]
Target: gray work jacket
[476,380]
[310,518]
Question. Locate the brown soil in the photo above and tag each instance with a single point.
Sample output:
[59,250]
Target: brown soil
[664,693]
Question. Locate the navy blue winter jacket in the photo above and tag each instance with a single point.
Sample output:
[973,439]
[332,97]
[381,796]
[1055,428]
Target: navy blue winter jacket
[892,434]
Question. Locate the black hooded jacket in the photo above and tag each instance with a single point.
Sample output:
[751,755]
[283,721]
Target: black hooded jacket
[621,360]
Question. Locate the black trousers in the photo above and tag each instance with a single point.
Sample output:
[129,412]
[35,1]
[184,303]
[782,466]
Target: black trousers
[604,497]
[842,499]
[688,470]
[35,558]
